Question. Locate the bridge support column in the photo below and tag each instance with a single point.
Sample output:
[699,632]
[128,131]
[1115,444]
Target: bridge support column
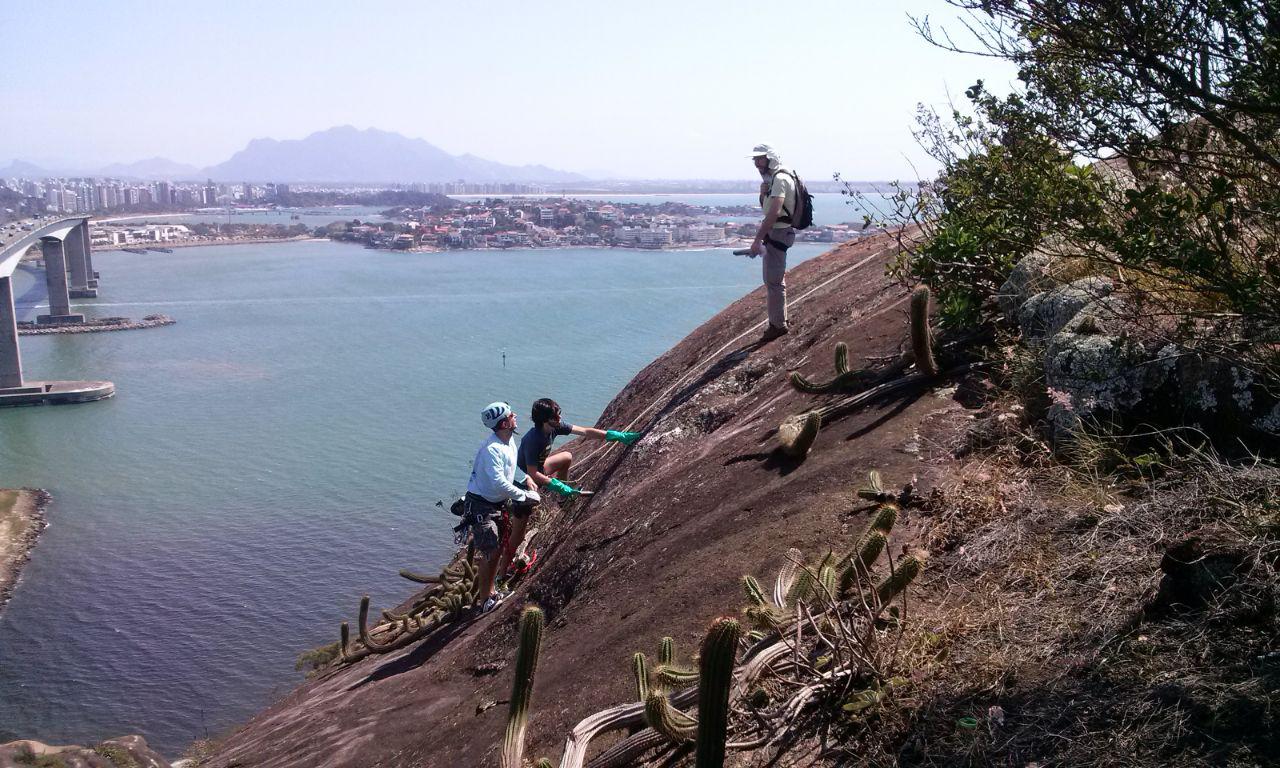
[10,358]
[55,275]
[92,276]
[76,251]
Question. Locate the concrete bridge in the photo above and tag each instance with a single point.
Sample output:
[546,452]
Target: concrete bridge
[68,261]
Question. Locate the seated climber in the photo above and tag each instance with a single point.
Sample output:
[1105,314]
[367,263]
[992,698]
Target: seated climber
[489,492]
[549,470]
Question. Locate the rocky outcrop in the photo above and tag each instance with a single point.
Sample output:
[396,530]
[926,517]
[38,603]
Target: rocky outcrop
[1102,362]
[123,752]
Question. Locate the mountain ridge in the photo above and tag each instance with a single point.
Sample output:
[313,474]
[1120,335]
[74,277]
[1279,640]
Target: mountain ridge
[341,154]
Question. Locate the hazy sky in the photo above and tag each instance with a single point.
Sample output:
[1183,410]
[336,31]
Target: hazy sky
[655,89]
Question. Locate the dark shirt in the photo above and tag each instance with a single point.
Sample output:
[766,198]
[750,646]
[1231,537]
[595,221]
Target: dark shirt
[535,446]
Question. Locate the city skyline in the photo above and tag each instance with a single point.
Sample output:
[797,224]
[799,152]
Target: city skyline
[668,91]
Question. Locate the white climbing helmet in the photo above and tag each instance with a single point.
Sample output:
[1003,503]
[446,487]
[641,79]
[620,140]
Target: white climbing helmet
[494,413]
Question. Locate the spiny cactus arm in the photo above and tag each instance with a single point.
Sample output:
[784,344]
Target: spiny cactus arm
[908,568]
[809,387]
[859,566]
[767,617]
[715,672]
[419,577]
[532,622]
[667,720]
[802,587]
[886,517]
[874,489]
[786,576]
[755,595]
[842,358]
[675,677]
[826,586]
[640,669]
[344,639]
[921,337]
[797,434]
[667,651]
[543,763]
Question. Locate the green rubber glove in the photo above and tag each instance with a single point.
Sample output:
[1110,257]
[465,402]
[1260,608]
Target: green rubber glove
[561,488]
[626,438]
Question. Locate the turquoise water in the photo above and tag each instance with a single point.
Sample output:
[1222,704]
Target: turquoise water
[278,452]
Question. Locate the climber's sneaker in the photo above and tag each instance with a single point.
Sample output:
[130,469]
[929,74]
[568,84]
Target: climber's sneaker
[493,601]
[772,332]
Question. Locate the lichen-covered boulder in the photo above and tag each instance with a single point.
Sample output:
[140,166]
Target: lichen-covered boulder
[1032,275]
[1086,374]
[124,752]
[1046,313]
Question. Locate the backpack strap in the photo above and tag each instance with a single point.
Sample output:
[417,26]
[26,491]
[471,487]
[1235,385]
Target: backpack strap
[786,215]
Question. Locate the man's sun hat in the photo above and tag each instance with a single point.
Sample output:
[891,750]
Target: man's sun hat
[494,413]
[763,149]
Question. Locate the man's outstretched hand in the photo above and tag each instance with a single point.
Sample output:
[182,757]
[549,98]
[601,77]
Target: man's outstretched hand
[626,438]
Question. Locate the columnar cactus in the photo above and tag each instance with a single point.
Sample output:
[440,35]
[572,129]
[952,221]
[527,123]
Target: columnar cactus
[802,588]
[715,678]
[640,668]
[531,624]
[797,433]
[755,595]
[667,651]
[906,572]
[826,587]
[886,517]
[921,338]
[842,358]
[874,490]
[870,547]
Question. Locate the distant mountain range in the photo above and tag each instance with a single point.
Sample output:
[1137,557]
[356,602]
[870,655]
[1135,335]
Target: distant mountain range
[342,154]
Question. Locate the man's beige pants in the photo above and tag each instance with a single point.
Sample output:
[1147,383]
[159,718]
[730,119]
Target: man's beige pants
[775,275]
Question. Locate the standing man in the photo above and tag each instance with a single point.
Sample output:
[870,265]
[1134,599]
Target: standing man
[549,470]
[489,492]
[775,235]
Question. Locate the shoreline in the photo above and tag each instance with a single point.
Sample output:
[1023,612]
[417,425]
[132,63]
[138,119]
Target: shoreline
[21,521]
[200,243]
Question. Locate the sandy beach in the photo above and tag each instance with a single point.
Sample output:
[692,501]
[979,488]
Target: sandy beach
[21,521]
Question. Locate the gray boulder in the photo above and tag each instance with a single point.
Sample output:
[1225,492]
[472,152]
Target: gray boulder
[1046,313]
[1032,275]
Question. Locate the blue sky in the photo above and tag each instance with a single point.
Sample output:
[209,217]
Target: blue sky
[654,90]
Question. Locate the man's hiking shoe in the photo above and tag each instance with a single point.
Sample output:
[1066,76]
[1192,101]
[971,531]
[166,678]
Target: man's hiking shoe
[771,333]
[492,602]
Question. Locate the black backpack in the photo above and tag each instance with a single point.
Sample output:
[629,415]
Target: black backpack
[802,216]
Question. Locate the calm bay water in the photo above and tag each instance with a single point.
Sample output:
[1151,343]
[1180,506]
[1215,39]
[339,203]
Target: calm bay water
[278,452]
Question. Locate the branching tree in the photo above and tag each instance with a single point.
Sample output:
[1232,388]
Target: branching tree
[1143,138]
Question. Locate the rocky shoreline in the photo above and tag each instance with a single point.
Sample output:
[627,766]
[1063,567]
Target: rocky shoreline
[95,326]
[21,522]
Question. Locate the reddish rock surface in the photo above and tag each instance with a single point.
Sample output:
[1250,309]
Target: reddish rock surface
[677,520]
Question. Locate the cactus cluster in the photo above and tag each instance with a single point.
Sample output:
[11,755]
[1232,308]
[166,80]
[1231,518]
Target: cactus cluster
[714,678]
[449,597]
